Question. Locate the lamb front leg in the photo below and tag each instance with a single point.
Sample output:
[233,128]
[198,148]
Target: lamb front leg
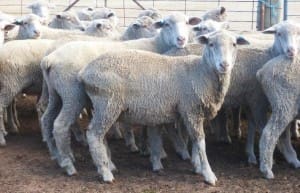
[194,125]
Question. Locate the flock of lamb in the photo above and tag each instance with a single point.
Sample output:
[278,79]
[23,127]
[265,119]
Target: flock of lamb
[175,73]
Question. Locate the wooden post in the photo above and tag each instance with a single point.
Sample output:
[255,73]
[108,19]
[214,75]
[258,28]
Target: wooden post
[269,12]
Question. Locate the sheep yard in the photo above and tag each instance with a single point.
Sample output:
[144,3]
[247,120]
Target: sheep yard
[39,158]
[25,167]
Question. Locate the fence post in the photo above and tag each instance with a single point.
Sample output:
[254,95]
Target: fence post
[285,10]
[269,13]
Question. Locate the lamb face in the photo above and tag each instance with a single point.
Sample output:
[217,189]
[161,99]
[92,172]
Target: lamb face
[30,26]
[66,20]
[106,13]
[175,29]
[287,36]
[4,28]
[142,27]
[218,14]
[221,49]
[100,28]
[151,12]
[209,26]
[40,8]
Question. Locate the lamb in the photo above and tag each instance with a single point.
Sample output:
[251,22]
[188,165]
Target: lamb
[105,13]
[85,14]
[152,13]
[280,81]
[41,8]
[141,27]
[207,26]
[67,20]
[190,87]
[30,28]
[102,28]
[245,90]
[62,82]
[20,71]
[219,14]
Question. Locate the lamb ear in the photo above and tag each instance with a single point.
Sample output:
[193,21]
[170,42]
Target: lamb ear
[222,10]
[194,20]
[242,41]
[270,30]
[136,26]
[98,25]
[9,27]
[159,24]
[203,39]
[110,15]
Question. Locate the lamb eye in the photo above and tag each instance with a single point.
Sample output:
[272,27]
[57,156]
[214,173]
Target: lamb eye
[211,45]
[234,44]
[167,25]
[279,34]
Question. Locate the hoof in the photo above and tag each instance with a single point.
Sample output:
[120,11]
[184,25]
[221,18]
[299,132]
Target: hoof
[163,154]
[225,141]
[268,174]
[71,171]
[108,177]
[2,144]
[160,172]
[134,149]
[252,160]
[210,178]
[158,167]
[184,155]
[296,164]
[2,141]
[144,153]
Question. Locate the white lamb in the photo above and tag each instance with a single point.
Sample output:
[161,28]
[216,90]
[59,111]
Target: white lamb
[149,89]
[61,67]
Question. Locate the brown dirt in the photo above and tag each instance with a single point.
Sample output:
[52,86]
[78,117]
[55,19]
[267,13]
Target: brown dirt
[25,166]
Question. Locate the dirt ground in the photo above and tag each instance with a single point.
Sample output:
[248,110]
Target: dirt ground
[25,167]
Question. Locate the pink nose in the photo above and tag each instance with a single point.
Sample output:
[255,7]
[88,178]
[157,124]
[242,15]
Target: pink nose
[36,32]
[181,38]
[291,51]
[224,65]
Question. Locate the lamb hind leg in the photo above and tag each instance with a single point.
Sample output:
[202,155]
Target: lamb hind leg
[12,118]
[62,126]
[277,123]
[286,148]
[3,132]
[106,112]
[47,121]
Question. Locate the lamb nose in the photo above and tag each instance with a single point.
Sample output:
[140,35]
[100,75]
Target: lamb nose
[37,32]
[224,64]
[181,38]
[291,50]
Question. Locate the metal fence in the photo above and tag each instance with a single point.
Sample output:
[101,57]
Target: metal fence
[241,13]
